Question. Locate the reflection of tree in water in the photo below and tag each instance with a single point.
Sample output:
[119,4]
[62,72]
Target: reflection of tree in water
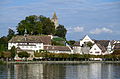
[21,71]
[54,71]
[39,71]
[7,71]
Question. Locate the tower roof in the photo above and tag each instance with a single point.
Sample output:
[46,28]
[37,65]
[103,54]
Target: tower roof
[54,16]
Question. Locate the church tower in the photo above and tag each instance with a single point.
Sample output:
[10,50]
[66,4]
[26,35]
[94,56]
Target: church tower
[55,20]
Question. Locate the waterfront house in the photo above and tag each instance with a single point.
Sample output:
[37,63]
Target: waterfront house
[86,39]
[97,49]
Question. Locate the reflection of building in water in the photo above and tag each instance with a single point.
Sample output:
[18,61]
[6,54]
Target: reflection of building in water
[95,70]
[108,70]
[55,71]
[29,71]
[90,71]
[39,71]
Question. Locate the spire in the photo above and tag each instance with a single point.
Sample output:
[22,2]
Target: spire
[54,16]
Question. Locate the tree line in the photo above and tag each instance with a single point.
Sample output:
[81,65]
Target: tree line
[37,25]
[74,57]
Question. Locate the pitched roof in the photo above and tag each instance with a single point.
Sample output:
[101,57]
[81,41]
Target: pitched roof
[59,48]
[102,42]
[117,46]
[101,47]
[54,16]
[31,39]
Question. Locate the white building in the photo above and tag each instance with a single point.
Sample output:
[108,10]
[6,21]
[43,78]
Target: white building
[85,40]
[97,49]
[29,43]
[58,49]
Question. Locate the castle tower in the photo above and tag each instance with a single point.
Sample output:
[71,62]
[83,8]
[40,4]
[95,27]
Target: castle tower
[55,20]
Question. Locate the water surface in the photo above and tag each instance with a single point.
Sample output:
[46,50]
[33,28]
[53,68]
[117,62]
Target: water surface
[60,71]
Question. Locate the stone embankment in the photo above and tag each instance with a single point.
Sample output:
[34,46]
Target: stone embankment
[59,62]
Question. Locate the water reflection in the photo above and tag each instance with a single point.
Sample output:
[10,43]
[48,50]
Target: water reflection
[60,71]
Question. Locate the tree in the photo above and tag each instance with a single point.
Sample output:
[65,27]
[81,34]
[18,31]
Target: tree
[36,25]
[3,43]
[89,44]
[13,52]
[6,55]
[48,25]
[23,54]
[11,33]
[71,42]
[61,31]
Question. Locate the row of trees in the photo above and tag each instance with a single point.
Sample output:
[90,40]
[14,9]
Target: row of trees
[62,56]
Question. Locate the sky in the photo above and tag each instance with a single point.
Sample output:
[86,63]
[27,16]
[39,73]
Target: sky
[100,19]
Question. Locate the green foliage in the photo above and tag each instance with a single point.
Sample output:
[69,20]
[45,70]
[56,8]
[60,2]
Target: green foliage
[2,62]
[6,54]
[71,42]
[1,54]
[89,44]
[116,52]
[58,39]
[58,43]
[41,53]
[11,33]
[3,43]
[61,31]
[36,25]
[23,54]
[13,52]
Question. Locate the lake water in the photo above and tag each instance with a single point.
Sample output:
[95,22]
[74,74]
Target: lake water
[60,71]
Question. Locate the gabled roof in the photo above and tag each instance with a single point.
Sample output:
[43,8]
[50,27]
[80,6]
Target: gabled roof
[101,47]
[31,39]
[87,39]
[102,42]
[117,46]
[57,48]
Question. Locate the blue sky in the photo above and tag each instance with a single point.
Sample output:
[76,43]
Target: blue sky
[100,19]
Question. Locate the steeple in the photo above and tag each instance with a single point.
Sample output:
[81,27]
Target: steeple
[54,16]
[55,20]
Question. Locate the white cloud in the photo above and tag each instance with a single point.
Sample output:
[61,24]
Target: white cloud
[75,29]
[78,29]
[101,30]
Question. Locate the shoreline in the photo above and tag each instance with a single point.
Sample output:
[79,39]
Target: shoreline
[61,62]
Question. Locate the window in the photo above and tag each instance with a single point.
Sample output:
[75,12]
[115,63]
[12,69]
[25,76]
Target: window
[94,48]
[90,52]
[39,46]
[97,52]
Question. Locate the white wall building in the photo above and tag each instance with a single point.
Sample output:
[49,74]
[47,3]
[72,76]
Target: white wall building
[97,49]
[85,40]
[58,49]
[27,43]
